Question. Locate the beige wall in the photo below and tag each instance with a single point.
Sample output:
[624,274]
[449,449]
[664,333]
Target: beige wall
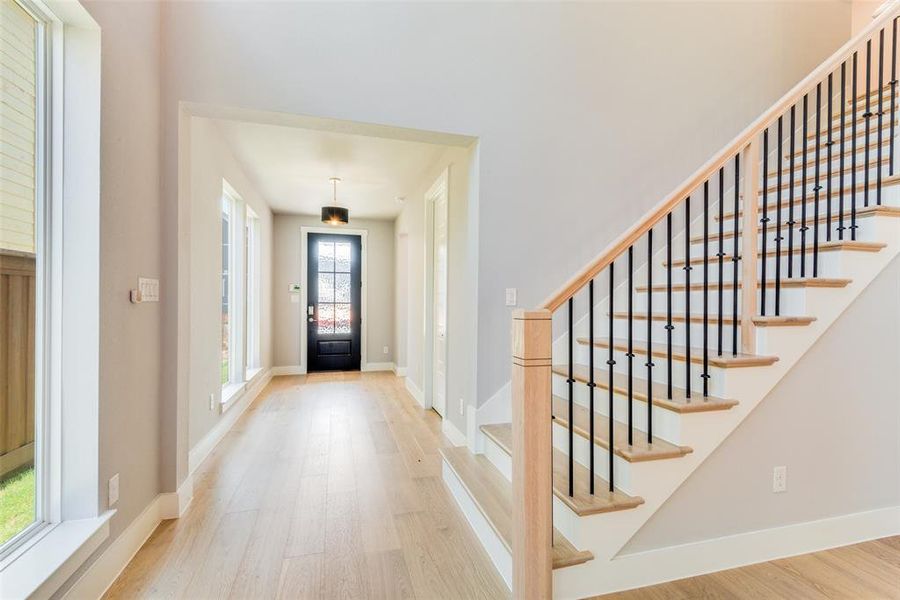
[211,161]
[380,287]
[832,421]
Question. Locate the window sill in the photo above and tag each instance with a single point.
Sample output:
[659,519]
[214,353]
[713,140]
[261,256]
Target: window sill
[40,567]
[252,373]
[230,395]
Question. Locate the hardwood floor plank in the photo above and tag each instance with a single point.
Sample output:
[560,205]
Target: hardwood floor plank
[387,576]
[302,577]
[307,528]
[217,572]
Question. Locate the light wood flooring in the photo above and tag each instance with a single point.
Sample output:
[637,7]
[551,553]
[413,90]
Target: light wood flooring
[329,486]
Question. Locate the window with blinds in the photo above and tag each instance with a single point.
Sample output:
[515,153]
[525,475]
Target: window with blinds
[18,74]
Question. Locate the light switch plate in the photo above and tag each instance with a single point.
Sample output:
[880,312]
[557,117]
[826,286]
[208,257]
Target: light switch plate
[113,493]
[510,296]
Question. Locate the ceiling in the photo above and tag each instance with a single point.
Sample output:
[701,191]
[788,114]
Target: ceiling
[291,167]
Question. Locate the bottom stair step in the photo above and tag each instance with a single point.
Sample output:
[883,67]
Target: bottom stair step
[492,493]
[581,502]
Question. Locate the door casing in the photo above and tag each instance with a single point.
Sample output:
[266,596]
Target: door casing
[438,189]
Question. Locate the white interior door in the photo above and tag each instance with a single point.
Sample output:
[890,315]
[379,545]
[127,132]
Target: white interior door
[439,354]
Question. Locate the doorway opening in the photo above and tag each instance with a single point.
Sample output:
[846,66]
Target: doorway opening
[437,244]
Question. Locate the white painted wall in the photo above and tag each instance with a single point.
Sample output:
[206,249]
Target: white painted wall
[461,280]
[832,421]
[587,113]
[380,287]
[401,300]
[211,161]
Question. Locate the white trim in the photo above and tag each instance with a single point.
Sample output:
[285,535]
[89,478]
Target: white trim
[709,556]
[438,188]
[304,296]
[288,370]
[97,579]
[414,391]
[48,561]
[205,446]
[379,366]
[399,371]
[453,434]
[230,393]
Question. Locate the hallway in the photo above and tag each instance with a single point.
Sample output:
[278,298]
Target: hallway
[329,486]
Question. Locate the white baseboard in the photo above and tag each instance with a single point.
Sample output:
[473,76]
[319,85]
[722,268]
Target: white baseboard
[378,366]
[399,371]
[708,556]
[205,446]
[453,434]
[94,582]
[173,504]
[414,391]
[288,370]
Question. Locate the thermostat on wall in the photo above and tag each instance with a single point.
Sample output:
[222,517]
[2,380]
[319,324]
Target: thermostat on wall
[294,288]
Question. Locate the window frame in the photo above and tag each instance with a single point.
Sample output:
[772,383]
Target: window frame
[252,285]
[229,204]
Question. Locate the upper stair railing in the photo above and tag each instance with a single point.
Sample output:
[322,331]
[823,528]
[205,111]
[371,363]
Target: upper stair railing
[757,250]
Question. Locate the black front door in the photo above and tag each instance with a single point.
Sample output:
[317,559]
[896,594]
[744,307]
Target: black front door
[333,313]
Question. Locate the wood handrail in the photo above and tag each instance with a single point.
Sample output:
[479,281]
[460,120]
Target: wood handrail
[738,144]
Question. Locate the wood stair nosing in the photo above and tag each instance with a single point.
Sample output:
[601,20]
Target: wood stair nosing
[848,126]
[810,203]
[758,320]
[492,494]
[866,211]
[581,502]
[860,170]
[726,361]
[886,181]
[823,171]
[678,403]
[832,246]
[796,282]
[835,156]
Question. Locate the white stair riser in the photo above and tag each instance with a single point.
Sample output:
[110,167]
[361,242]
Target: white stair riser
[601,457]
[823,161]
[498,457]
[666,423]
[829,266]
[793,300]
[679,333]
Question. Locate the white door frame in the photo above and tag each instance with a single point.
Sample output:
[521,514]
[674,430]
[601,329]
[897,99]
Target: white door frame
[439,188]
[304,292]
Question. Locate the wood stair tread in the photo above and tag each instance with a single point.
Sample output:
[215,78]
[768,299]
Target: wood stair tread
[832,246]
[860,171]
[759,320]
[848,152]
[660,350]
[582,502]
[886,180]
[863,211]
[848,125]
[823,171]
[492,494]
[678,403]
[810,207]
[796,282]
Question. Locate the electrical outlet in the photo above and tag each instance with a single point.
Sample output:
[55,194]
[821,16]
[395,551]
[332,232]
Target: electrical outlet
[113,492]
[510,296]
[779,480]
[462,406]
[212,401]
[386,350]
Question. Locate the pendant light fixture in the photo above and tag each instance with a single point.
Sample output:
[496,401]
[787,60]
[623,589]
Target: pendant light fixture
[335,215]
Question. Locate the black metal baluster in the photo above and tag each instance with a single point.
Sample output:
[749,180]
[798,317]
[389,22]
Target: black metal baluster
[721,253]
[705,374]
[893,93]
[649,364]
[817,186]
[828,144]
[803,226]
[669,304]
[867,116]
[880,115]
[790,221]
[734,258]
[843,152]
[610,363]
[570,381]
[778,224]
[591,383]
[853,88]
[687,297]
[765,218]
[631,345]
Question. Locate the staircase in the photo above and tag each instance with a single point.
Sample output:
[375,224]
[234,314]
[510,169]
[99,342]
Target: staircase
[628,378]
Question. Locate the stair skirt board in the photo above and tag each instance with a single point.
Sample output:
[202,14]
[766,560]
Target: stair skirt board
[490,540]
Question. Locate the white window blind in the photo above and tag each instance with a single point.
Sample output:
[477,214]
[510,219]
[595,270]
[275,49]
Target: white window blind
[18,73]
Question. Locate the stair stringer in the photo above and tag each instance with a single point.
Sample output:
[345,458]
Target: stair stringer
[605,535]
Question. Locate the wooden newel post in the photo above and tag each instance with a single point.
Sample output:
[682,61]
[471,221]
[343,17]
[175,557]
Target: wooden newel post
[749,245]
[532,476]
